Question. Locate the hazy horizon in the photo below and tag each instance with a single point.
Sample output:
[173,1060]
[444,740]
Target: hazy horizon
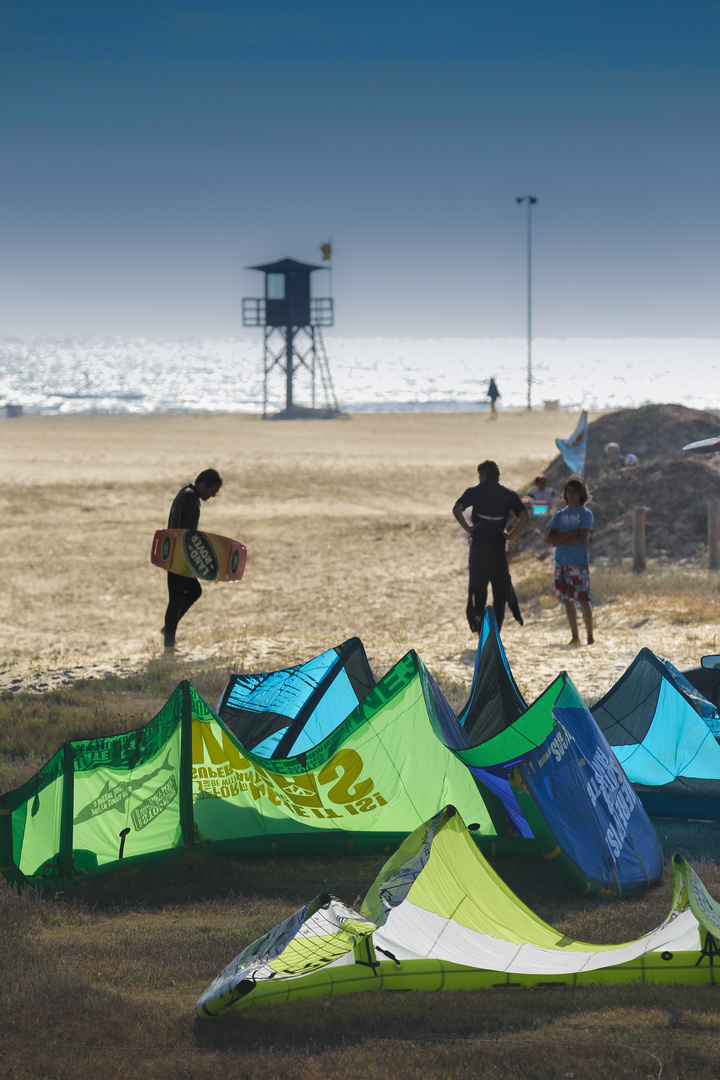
[225,374]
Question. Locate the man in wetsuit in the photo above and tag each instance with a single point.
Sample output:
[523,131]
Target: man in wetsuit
[185,514]
[491,505]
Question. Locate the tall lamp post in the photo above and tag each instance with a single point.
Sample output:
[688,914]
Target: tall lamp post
[530,200]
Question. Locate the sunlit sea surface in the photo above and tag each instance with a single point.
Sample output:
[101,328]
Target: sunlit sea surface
[213,375]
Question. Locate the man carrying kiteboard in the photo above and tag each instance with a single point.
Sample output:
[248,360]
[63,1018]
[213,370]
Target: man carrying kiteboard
[185,514]
[491,505]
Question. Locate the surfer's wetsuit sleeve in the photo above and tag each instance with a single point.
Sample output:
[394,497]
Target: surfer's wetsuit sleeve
[185,510]
[182,591]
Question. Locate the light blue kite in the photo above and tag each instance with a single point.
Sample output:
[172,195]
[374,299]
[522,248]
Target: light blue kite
[573,449]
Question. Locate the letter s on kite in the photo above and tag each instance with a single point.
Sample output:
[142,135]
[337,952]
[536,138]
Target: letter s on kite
[351,764]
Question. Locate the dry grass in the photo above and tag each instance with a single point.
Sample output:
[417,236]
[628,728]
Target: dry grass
[103,976]
[349,532]
[91,985]
[685,586]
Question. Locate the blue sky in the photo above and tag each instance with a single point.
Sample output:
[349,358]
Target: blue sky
[153,150]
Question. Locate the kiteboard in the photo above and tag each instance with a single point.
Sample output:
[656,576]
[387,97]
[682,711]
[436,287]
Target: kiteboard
[202,555]
[704,446]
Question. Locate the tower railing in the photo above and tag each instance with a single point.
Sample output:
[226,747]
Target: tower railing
[322,313]
[253,311]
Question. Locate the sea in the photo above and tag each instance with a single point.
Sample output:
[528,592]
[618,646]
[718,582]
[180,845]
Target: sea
[137,375]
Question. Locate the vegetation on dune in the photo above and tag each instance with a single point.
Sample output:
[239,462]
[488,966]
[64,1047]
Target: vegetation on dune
[672,485]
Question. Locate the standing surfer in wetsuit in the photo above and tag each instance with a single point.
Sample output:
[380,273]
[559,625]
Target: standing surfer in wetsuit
[185,514]
[491,505]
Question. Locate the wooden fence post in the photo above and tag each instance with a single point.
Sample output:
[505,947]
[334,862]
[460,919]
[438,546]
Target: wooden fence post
[638,538]
[713,534]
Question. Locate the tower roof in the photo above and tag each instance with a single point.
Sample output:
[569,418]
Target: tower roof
[283,266]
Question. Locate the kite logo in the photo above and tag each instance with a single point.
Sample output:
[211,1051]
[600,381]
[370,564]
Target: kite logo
[116,796]
[228,775]
[612,784]
[153,806]
[235,561]
[560,743]
[109,799]
[200,555]
[165,550]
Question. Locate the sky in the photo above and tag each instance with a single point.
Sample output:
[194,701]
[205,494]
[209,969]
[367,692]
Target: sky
[152,151]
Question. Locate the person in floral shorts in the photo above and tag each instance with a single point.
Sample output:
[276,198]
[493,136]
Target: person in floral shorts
[569,531]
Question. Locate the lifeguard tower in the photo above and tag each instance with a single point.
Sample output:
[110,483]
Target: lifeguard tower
[292,320]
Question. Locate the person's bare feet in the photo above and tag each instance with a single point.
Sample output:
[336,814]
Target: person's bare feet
[574,642]
[591,640]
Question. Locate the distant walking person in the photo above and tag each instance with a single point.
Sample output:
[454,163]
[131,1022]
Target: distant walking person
[491,505]
[493,393]
[569,531]
[185,514]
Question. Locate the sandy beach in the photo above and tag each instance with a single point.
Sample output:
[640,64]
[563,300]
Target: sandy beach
[349,531]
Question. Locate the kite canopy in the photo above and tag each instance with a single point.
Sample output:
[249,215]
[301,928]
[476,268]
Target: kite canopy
[573,449]
[664,734]
[438,917]
[280,713]
[495,701]
[320,759]
[601,844]
[555,775]
[184,778]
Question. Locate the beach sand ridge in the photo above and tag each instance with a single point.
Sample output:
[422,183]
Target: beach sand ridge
[349,532]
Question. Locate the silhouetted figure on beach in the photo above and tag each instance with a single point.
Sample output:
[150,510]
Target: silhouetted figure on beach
[185,514]
[493,393]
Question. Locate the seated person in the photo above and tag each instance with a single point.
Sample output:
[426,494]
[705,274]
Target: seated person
[541,496]
[617,460]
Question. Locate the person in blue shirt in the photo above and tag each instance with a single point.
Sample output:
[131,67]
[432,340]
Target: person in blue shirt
[569,531]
